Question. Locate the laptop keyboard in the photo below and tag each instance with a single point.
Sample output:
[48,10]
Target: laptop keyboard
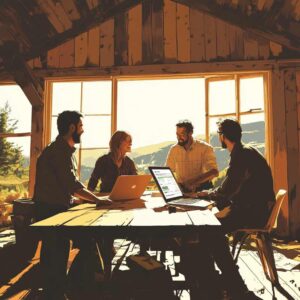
[186,201]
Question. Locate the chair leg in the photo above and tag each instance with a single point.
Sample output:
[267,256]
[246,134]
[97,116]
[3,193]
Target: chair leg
[242,241]
[267,244]
[262,255]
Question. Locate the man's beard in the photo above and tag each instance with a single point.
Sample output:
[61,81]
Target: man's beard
[76,138]
[224,146]
[182,143]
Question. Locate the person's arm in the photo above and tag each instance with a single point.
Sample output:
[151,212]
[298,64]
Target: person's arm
[96,174]
[132,167]
[193,183]
[209,164]
[86,195]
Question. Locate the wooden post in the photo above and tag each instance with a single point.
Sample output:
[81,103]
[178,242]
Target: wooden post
[36,145]
[292,150]
[279,144]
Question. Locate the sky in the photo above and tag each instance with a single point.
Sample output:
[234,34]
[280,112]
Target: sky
[147,109]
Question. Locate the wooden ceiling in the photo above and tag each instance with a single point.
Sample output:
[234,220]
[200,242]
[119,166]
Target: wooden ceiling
[276,20]
[29,28]
[36,26]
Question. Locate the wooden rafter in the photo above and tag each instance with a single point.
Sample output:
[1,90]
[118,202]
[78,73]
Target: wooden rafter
[105,11]
[272,24]
[21,73]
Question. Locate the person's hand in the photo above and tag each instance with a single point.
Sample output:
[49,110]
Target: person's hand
[190,186]
[203,193]
[190,195]
[76,201]
[101,202]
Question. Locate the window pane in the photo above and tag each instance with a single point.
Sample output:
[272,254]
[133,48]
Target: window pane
[253,127]
[221,97]
[54,131]
[149,111]
[65,96]
[14,168]
[88,160]
[15,104]
[222,154]
[97,131]
[96,97]
[251,94]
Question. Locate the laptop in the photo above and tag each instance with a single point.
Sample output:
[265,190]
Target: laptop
[171,191]
[128,187]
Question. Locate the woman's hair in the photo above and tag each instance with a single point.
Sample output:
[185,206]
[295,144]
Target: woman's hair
[115,141]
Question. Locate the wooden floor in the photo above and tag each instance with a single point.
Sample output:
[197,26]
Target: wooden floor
[25,282]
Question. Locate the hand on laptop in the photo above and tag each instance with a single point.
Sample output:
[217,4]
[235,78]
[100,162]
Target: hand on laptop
[201,194]
[102,202]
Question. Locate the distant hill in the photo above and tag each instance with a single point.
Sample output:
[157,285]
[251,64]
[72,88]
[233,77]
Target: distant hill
[253,133]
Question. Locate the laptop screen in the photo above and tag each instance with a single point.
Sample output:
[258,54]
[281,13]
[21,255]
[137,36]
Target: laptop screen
[166,182]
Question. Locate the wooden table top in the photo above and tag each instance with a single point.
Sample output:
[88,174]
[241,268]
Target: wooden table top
[148,215]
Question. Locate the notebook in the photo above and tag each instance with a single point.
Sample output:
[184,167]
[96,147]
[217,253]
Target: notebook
[171,191]
[128,187]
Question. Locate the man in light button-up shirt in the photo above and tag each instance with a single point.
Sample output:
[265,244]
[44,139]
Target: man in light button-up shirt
[192,161]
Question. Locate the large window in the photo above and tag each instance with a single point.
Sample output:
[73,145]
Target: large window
[241,97]
[93,99]
[149,108]
[15,128]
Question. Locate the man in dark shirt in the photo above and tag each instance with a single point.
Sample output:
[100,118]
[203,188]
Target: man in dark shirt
[246,194]
[244,199]
[56,183]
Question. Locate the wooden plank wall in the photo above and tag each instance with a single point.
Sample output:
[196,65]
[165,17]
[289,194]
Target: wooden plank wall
[285,135]
[159,31]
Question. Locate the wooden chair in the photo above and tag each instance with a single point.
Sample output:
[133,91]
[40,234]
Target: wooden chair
[263,242]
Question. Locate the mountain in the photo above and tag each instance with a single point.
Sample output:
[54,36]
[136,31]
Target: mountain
[253,134]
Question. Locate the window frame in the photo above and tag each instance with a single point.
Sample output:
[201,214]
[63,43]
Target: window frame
[208,78]
[21,134]
[49,115]
[237,114]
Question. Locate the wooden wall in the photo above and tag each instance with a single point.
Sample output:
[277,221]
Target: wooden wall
[158,37]
[157,32]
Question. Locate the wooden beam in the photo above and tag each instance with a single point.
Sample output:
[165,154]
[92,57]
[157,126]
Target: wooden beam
[287,33]
[22,73]
[105,11]
[169,69]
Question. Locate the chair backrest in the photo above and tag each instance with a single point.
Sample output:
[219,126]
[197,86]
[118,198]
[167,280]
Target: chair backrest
[272,221]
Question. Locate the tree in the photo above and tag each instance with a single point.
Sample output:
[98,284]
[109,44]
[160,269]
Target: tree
[11,157]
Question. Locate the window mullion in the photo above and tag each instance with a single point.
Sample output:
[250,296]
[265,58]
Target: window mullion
[237,97]
[207,110]
[80,146]
[114,105]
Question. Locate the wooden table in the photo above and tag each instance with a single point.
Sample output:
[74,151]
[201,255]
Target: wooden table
[141,219]
[145,216]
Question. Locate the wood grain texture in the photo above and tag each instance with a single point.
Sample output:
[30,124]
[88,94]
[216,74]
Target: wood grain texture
[170,32]
[107,43]
[121,39]
[183,33]
[135,35]
[81,49]
[197,31]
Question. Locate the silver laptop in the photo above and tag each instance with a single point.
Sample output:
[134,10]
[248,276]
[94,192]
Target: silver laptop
[128,187]
[171,191]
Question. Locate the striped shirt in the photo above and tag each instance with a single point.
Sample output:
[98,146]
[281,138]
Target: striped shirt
[187,164]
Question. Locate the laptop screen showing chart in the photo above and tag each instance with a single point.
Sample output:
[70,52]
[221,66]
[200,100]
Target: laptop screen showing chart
[167,183]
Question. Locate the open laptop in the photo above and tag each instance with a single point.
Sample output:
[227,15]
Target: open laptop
[170,189]
[128,187]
